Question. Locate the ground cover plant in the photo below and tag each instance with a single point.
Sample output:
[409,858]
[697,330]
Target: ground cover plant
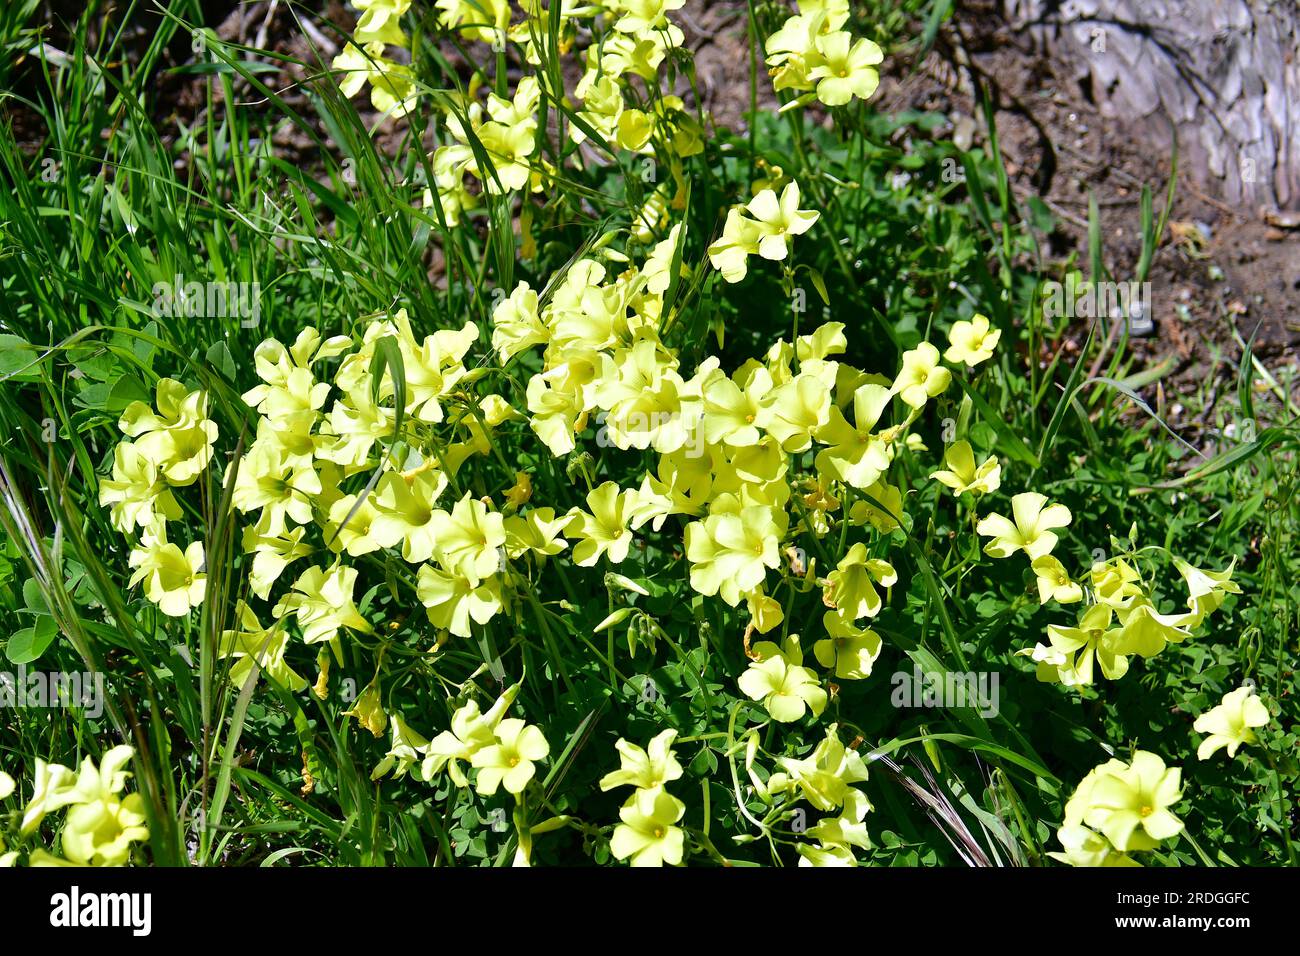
[547,474]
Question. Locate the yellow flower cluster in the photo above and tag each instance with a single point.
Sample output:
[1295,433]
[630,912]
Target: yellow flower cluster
[1119,808]
[291,476]
[506,131]
[503,750]
[723,443]
[764,227]
[639,38]
[1120,618]
[648,835]
[824,780]
[747,462]
[813,52]
[172,446]
[363,60]
[99,824]
[642,37]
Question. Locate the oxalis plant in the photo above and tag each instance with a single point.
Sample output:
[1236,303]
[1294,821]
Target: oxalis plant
[566,478]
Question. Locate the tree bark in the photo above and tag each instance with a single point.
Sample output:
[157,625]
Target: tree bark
[1221,75]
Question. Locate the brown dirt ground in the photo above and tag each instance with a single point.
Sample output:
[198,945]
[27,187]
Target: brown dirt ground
[1219,273]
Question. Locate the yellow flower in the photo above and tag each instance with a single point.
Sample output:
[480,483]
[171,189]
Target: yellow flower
[851,587]
[764,610]
[826,777]
[644,17]
[378,12]
[137,492]
[368,710]
[963,476]
[845,70]
[837,836]
[779,219]
[353,426]
[101,825]
[173,579]
[972,342]
[730,553]
[1114,583]
[538,531]
[556,401]
[407,748]
[1231,723]
[1146,632]
[453,598]
[1205,589]
[449,177]
[1082,846]
[732,408]
[178,438]
[252,642]
[516,325]
[519,494]
[470,538]
[793,412]
[434,367]
[508,149]
[354,67]
[792,51]
[405,513]
[856,456]
[849,651]
[921,377]
[1054,582]
[471,730]
[322,601]
[272,553]
[602,105]
[780,681]
[652,767]
[280,488]
[729,254]
[392,88]
[486,17]
[633,131]
[1030,532]
[509,762]
[1069,656]
[356,536]
[53,786]
[603,530]
[826,340]
[289,388]
[643,395]
[1129,803]
[881,507]
[647,834]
